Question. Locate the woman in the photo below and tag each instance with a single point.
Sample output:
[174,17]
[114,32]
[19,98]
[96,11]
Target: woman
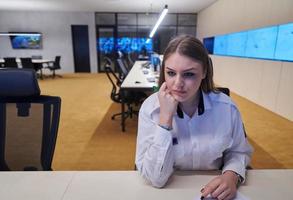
[188,124]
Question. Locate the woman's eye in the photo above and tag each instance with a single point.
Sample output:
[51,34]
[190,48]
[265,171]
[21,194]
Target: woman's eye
[188,74]
[170,73]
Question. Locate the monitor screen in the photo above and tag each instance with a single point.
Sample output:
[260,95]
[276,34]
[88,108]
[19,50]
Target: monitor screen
[284,50]
[236,44]
[26,40]
[261,42]
[155,59]
[209,44]
[220,45]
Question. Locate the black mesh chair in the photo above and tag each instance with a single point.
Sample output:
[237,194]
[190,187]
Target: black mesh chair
[123,65]
[122,68]
[10,62]
[55,66]
[28,122]
[129,98]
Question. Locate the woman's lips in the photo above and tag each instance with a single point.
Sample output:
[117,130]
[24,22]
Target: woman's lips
[179,92]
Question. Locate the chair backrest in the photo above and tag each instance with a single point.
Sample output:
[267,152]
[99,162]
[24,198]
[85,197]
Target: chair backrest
[10,62]
[122,68]
[57,62]
[115,81]
[27,63]
[120,54]
[28,122]
[130,60]
[224,90]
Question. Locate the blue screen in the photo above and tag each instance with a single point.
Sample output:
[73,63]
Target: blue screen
[124,44]
[220,45]
[261,43]
[236,44]
[106,45]
[209,44]
[128,45]
[25,41]
[284,47]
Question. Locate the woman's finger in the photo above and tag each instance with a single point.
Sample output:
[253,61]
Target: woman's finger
[219,190]
[163,87]
[224,195]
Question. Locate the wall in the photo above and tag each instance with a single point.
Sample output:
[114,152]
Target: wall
[56,31]
[267,83]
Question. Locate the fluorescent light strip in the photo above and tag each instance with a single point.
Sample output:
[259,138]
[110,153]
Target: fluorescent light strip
[163,14]
[22,34]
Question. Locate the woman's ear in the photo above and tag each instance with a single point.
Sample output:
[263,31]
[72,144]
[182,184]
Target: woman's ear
[204,73]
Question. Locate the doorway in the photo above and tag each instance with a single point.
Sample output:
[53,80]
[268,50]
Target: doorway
[81,51]
[106,43]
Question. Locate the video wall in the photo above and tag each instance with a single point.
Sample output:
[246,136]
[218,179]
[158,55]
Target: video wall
[273,43]
[107,45]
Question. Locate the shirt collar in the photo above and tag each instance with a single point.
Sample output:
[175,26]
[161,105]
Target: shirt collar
[203,104]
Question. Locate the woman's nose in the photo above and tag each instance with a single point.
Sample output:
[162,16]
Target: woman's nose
[179,82]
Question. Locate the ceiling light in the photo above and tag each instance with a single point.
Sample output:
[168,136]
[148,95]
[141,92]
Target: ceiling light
[163,14]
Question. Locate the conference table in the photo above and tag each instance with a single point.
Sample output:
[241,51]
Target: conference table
[128,185]
[35,61]
[38,62]
[141,77]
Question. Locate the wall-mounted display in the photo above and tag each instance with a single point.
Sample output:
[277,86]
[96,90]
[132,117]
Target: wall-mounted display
[273,43]
[21,40]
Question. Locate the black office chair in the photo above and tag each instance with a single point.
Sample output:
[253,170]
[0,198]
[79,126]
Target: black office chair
[123,62]
[10,62]
[139,95]
[55,66]
[28,122]
[122,69]
[121,96]
[38,66]
[27,63]
[224,90]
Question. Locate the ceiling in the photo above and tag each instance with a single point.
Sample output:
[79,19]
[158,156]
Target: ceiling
[175,6]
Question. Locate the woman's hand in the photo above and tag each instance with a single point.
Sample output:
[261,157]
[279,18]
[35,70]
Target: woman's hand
[168,105]
[222,187]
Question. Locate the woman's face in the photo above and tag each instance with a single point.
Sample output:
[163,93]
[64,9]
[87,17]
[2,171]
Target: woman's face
[183,77]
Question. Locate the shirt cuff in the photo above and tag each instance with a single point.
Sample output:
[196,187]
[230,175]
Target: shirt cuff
[235,168]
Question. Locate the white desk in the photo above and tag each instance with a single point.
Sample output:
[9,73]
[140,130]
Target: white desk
[128,185]
[137,80]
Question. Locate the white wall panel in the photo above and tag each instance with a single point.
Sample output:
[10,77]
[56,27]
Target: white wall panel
[269,84]
[285,93]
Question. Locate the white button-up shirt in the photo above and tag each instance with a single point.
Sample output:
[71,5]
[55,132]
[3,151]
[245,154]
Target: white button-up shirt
[213,138]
